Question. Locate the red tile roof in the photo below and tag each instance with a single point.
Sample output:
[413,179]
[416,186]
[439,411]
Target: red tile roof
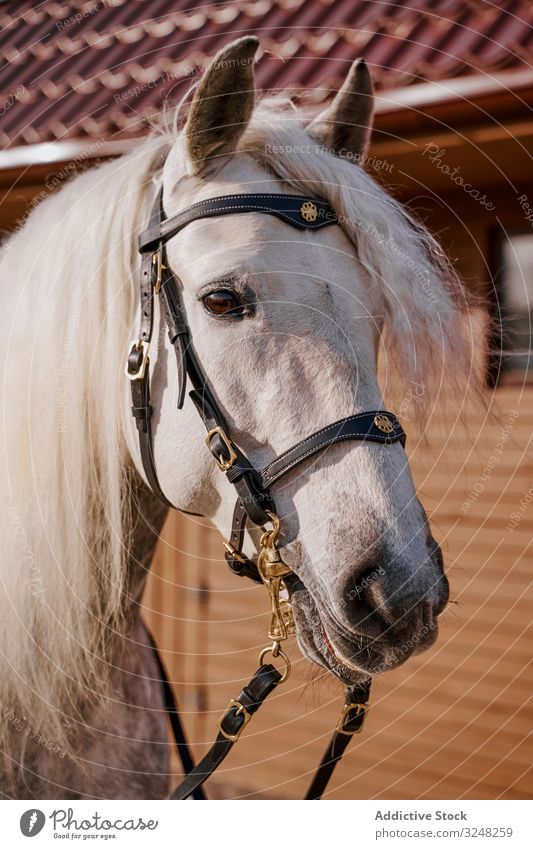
[98,68]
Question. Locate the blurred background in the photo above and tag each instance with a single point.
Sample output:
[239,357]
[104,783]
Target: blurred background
[80,82]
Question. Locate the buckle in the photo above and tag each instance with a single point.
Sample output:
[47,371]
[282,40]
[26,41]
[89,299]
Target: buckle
[137,346]
[361,711]
[157,262]
[223,465]
[232,552]
[240,710]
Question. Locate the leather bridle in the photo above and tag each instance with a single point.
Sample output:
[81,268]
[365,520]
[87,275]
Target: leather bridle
[255,502]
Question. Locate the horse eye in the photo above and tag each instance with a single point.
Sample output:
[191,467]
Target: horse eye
[222,302]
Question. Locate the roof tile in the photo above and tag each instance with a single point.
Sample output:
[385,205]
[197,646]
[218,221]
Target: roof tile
[97,67]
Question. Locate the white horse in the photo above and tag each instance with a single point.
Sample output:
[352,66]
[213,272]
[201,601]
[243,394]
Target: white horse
[82,710]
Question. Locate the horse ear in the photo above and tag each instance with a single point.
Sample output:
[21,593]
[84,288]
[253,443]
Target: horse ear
[346,124]
[222,104]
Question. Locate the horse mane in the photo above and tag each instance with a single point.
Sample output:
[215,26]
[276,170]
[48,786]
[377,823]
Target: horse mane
[67,301]
[432,354]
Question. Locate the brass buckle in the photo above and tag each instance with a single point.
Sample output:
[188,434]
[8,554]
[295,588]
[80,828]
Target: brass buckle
[233,551]
[240,709]
[223,465]
[157,260]
[361,709]
[138,344]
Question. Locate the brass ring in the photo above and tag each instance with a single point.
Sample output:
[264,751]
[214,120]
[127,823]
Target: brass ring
[279,653]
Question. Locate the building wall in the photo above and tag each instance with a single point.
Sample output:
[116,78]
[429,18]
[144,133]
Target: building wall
[451,723]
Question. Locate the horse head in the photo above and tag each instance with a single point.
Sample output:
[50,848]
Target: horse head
[288,326]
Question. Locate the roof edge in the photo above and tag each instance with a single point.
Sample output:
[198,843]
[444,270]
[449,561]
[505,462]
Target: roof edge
[72,150]
[418,97]
[460,88]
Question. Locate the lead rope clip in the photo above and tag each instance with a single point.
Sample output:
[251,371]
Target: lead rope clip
[273,571]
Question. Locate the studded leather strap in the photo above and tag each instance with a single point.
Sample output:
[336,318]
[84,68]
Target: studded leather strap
[371,426]
[301,211]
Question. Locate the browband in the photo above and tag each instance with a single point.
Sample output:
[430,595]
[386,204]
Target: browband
[301,211]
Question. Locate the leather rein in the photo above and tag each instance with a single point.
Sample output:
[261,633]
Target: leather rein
[255,502]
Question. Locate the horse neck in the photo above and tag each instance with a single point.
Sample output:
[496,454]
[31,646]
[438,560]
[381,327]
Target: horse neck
[148,517]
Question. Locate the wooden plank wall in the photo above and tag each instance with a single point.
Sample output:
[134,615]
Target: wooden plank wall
[451,723]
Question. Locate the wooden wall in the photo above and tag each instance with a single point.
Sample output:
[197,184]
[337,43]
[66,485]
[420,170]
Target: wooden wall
[451,723]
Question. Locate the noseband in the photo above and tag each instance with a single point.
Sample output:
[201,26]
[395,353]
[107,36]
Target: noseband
[255,502]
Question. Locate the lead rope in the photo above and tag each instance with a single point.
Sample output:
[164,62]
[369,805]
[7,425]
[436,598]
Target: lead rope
[171,708]
[239,711]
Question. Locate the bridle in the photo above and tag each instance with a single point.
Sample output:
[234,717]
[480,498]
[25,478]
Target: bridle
[254,499]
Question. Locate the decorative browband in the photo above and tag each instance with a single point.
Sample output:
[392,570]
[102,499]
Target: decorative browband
[301,211]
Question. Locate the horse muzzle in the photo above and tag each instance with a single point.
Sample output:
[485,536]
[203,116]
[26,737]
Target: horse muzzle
[375,625]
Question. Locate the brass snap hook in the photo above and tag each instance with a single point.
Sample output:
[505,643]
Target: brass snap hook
[269,537]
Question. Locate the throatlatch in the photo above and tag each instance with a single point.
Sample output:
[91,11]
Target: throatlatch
[254,499]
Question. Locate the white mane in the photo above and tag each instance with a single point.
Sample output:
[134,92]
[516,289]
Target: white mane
[67,300]
[66,297]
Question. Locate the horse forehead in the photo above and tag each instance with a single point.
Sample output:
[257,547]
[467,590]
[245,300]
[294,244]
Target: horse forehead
[241,175]
[242,243]
[249,242]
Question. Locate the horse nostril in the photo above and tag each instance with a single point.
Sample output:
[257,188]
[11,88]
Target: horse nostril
[370,596]
[366,597]
[365,581]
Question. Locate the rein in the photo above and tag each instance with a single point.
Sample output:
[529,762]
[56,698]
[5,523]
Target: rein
[255,502]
